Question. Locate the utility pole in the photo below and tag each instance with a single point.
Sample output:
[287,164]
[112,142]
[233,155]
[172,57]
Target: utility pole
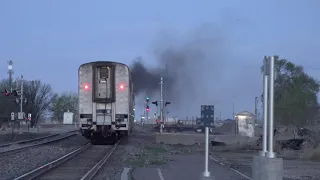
[21,114]
[161,104]
[10,72]
[21,94]
[256,109]
[147,108]
[233,113]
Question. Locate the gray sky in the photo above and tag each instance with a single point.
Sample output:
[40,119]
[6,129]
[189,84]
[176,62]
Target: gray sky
[49,39]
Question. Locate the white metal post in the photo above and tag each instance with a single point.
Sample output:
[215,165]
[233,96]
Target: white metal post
[270,153]
[206,172]
[265,107]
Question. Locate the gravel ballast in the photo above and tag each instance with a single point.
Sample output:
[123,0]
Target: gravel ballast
[9,137]
[127,150]
[19,163]
[140,150]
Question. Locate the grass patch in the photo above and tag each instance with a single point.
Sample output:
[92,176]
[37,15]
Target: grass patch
[138,162]
[154,150]
[157,162]
[151,156]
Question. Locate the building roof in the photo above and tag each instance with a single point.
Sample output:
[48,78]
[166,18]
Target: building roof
[245,113]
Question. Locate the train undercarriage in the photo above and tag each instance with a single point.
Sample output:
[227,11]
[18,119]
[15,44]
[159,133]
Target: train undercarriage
[103,135]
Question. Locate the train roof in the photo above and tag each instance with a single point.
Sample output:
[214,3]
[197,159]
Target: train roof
[94,62]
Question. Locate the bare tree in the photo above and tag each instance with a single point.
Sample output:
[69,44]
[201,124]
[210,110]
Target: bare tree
[39,96]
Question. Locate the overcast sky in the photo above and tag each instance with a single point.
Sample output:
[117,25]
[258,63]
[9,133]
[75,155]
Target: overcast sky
[49,39]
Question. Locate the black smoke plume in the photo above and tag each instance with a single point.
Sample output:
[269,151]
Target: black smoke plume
[190,68]
[146,80]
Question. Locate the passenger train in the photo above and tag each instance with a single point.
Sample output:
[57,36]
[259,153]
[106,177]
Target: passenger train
[106,101]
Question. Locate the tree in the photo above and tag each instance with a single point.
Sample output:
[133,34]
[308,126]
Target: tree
[63,103]
[295,99]
[38,94]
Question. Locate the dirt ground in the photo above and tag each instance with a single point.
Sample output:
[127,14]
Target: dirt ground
[141,150]
[294,167]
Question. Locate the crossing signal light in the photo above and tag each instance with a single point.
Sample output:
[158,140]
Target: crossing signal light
[86,86]
[155,102]
[167,103]
[147,108]
[147,99]
[121,86]
[6,93]
[15,93]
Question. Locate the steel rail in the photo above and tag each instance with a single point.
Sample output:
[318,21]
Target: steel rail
[45,168]
[35,139]
[93,171]
[29,140]
[14,150]
[38,172]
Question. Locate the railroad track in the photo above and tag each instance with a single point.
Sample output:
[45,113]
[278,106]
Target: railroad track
[80,164]
[21,145]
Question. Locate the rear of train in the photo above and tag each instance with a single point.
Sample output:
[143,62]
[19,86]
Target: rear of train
[106,101]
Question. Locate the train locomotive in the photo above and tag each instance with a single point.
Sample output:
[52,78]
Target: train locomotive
[106,101]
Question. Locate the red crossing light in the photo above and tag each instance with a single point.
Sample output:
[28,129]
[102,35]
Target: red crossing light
[121,86]
[86,86]
[6,93]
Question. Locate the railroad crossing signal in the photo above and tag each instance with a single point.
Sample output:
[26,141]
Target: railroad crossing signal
[207,115]
[5,93]
[147,108]
[155,102]
[28,118]
[15,93]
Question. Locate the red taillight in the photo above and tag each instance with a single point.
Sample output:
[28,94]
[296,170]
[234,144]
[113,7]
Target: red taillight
[86,86]
[121,86]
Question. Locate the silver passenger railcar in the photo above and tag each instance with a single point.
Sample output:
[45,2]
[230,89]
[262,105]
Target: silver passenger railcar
[106,101]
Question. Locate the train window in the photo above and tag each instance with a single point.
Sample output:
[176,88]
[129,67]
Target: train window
[104,72]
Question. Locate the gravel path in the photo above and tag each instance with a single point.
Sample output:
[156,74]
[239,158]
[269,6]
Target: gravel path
[19,163]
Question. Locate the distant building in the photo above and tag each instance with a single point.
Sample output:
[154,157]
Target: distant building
[245,123]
